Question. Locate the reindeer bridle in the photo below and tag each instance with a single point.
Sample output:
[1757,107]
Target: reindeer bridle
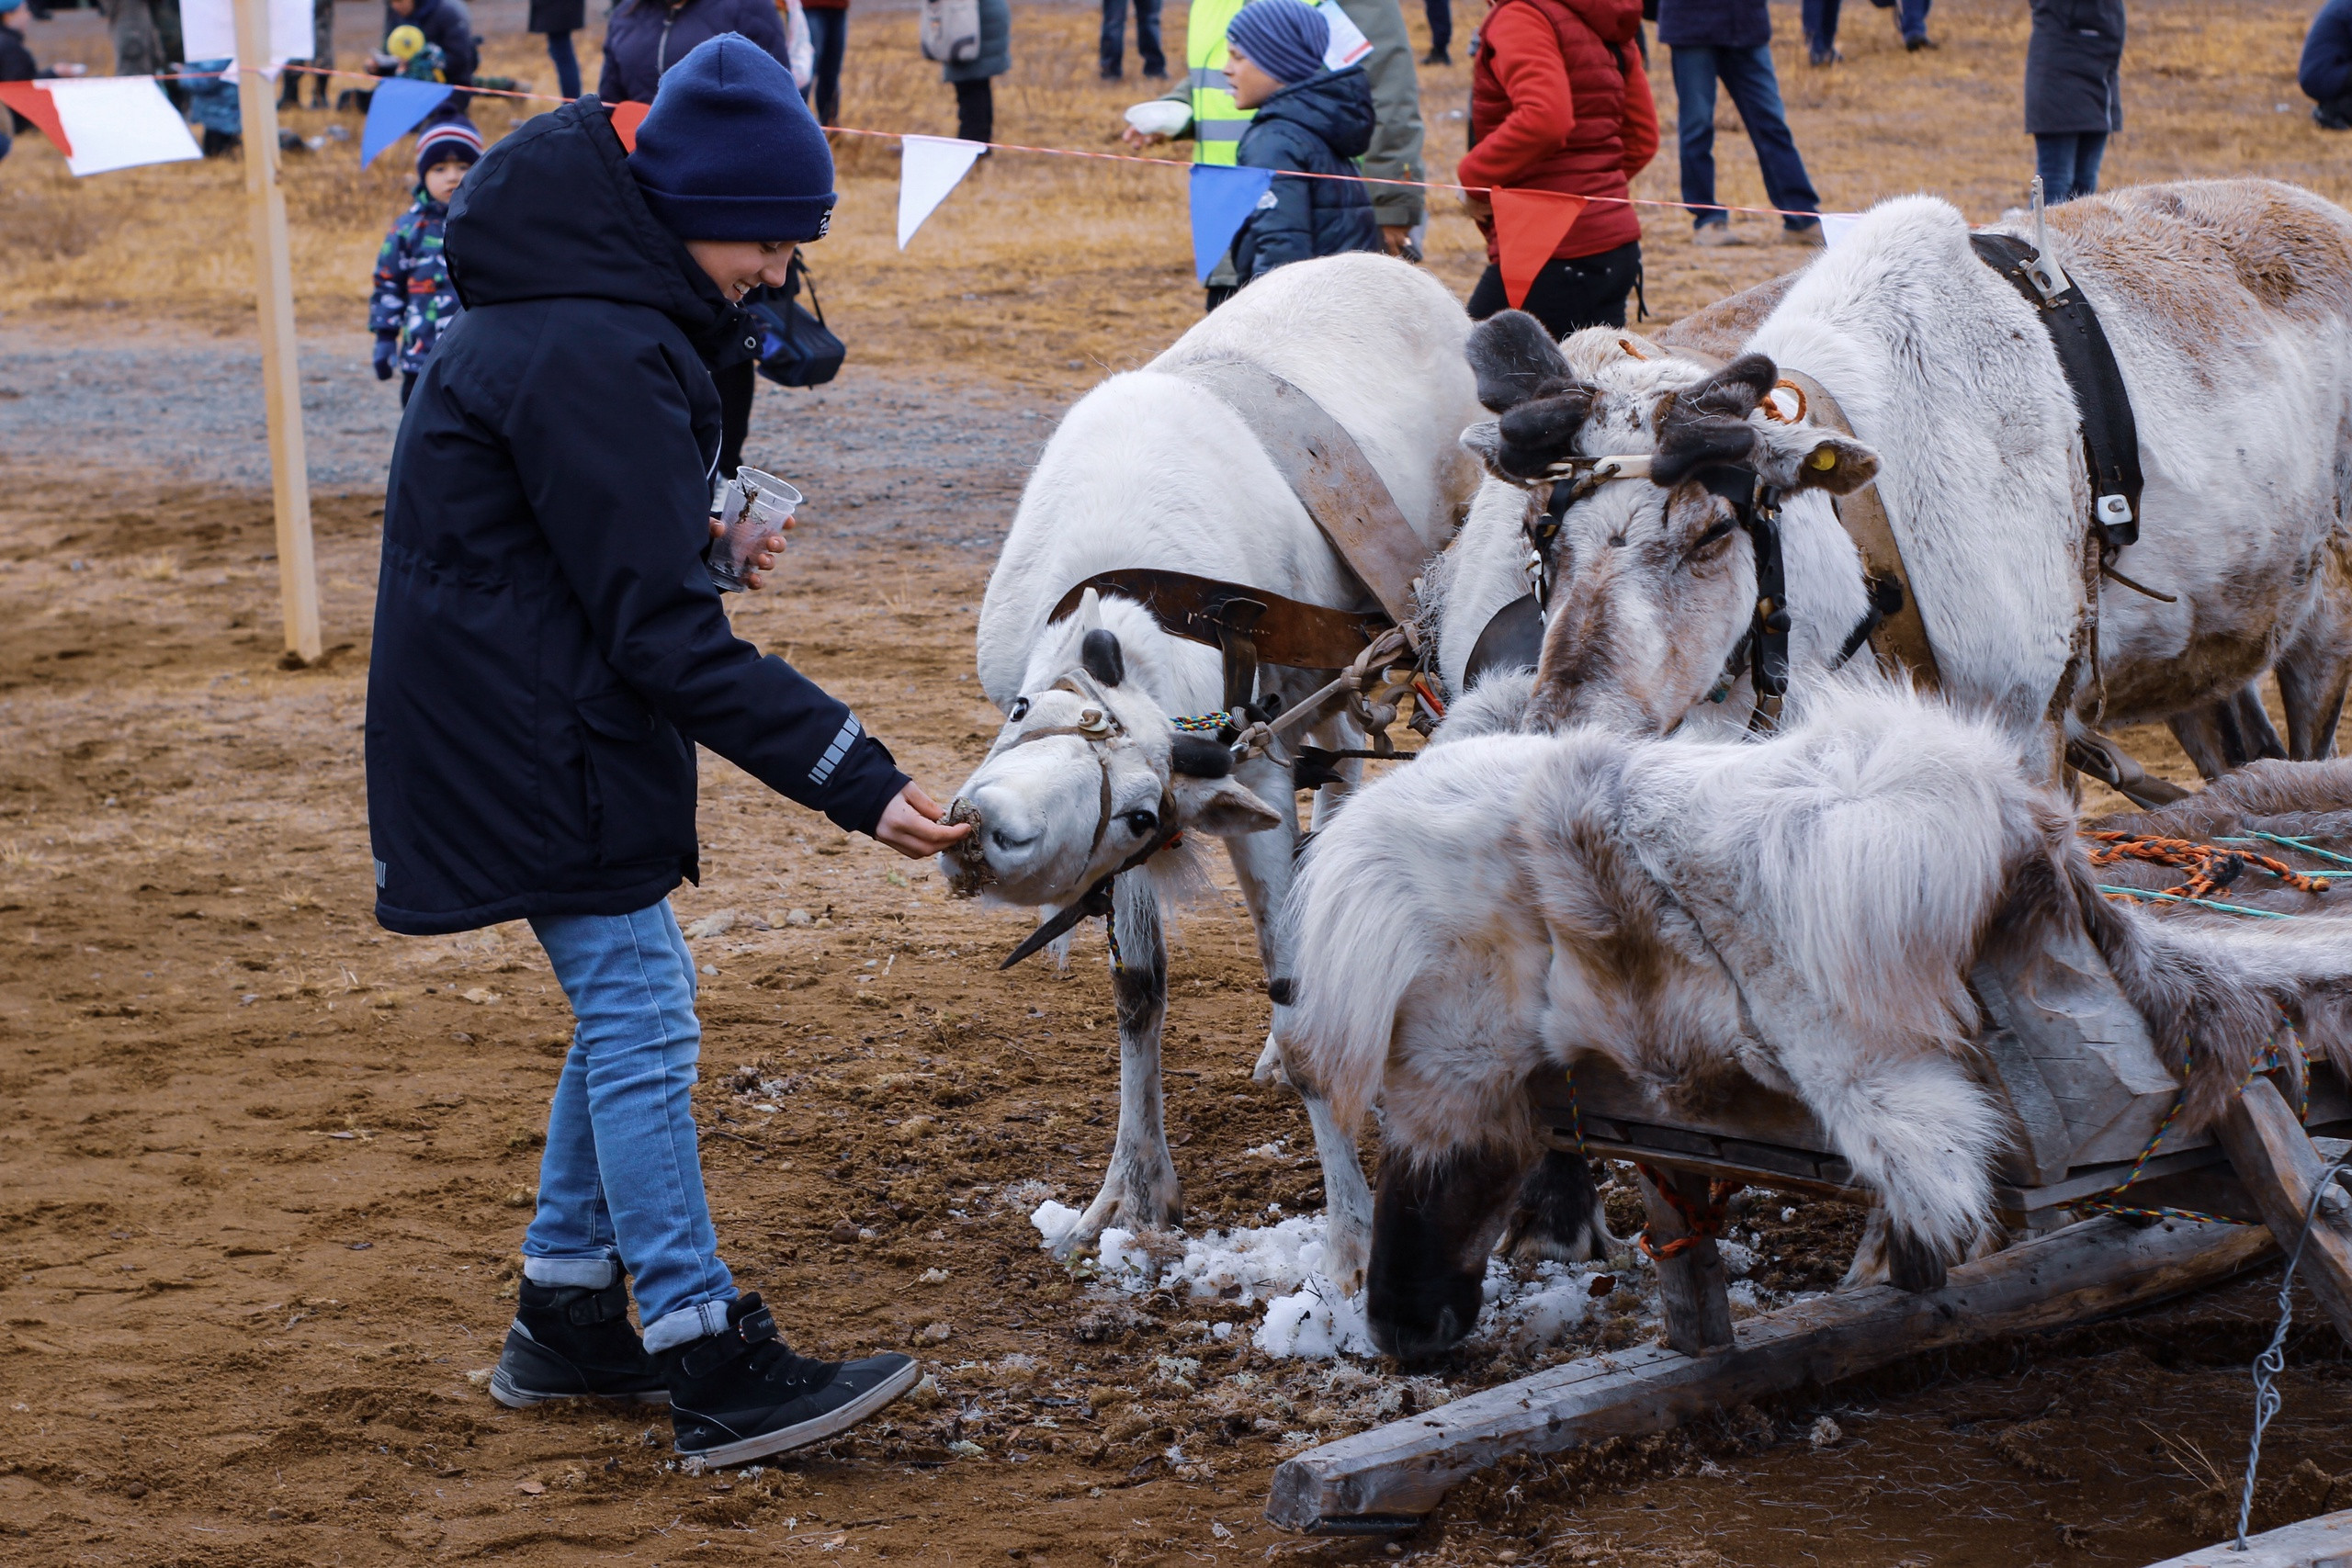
[1763,647]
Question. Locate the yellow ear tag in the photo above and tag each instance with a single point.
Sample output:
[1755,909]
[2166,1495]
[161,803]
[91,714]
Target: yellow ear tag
[1824,458]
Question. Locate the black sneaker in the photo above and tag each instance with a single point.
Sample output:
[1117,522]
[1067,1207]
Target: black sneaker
[569,1342]
[741,1395]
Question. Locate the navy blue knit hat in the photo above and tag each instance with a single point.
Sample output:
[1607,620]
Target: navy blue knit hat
[729,151]
[1285,38]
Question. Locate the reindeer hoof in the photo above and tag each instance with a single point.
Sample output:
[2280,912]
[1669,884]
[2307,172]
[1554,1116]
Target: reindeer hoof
[1127,1203]
[1269,1069]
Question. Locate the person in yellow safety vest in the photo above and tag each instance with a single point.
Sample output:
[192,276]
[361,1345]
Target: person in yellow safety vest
[1368,31]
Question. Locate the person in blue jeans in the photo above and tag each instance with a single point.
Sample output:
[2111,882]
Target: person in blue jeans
[550,650]
[1911,21]
[1148,52]
[1821,31]
[2073,92]
[1730,42]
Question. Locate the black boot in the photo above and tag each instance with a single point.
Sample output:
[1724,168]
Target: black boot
[569,1342]
[740,1394]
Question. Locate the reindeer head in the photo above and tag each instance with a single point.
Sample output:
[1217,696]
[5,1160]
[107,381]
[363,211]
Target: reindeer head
[1654,577]
[1086,775]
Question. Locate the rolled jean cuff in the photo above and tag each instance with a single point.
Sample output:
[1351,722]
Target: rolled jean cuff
[594,1273]
[697,1322]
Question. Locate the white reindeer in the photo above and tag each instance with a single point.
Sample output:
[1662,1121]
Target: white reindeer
[1153,470]
[1802,911]
[2228,306]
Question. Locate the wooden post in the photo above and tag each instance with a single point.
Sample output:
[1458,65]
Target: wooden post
[1691,1287]
[1388,1477]
[281,380]
[2276,1160]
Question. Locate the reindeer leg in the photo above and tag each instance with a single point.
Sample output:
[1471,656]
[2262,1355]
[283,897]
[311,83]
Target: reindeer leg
[1139,1190]
[1261,864]
[2311,688]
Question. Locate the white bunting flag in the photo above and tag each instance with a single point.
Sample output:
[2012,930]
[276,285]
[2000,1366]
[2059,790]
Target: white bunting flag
[929,167]
[1836,226]
[118,122]
[208,31]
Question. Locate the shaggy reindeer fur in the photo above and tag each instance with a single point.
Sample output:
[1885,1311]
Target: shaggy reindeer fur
[1802,911]
[2229,304]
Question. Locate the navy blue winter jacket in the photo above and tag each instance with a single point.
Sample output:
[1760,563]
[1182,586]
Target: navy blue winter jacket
[549,646]
[451,27]
[1317,127]
[1714,24]
[2325,72]
[645,37]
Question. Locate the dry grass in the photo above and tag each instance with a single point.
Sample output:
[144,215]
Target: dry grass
[1047,270]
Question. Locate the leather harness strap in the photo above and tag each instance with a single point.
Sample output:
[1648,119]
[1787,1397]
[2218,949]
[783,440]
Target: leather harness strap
[1201,609]
[1900,638]
[1330,476]
[2110,434]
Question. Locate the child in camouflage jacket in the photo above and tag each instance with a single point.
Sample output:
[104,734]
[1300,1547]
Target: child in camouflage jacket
[414,302]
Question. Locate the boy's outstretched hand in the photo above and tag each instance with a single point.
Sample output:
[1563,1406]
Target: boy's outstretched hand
[911,824]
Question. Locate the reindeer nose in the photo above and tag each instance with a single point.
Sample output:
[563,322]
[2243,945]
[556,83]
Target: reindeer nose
[1011,829]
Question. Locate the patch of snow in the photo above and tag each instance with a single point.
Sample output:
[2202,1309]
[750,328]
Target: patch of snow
[1055,1220]
[1315,1324]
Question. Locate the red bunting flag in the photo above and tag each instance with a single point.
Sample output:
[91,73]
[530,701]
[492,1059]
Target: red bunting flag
[627,115]
[1529,226]
[35,104]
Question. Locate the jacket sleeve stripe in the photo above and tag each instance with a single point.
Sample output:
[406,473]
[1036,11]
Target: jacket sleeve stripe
[850,731]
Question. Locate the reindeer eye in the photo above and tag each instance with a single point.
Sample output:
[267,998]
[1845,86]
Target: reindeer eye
[1020,709]
[1715,530]
[1141,823]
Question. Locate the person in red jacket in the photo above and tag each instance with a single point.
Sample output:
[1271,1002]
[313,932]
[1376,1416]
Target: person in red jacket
[1559,101]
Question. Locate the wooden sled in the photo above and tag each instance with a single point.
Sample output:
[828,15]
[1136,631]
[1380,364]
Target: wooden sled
[2086,1095]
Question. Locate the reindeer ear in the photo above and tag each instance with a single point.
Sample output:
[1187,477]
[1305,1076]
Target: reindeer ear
[1100,651]
[1805,457]
[1222,808]
[1513,355]
[1089,612]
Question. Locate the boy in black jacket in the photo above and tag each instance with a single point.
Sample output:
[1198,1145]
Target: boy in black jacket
[1308,121]
[549,651]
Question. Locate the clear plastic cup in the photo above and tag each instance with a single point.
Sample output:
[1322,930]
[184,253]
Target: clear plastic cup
[755,507]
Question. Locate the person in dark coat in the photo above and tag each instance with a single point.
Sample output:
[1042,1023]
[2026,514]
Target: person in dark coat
[550,649]
[449,28]
[828,42]
[1308,121]
[15,65]
[559,19]
[975,94]
[1731,41]
[646,37]
[2074,91]
[2325,72]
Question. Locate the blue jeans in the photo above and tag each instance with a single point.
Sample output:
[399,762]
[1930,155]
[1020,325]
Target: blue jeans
[1747,73]
[567,65]
[2069,164]
[620,1186]
[1115,37]
[829,32]
[1821,25]
[1440,16]
[1911,18]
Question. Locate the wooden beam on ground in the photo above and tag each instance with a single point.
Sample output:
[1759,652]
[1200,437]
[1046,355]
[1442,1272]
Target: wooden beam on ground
[2275,1159]
[289,468]
[1388,1477]
[2323,1543]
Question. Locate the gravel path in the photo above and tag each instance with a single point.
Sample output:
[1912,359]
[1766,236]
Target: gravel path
[917,457]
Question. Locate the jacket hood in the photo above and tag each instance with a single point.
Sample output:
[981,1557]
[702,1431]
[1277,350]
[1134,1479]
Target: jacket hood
[1336,107]
[553,212]
[1615,21]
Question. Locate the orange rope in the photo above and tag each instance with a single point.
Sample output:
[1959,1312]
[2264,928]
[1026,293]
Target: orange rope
[2210,866]
[1706,1221]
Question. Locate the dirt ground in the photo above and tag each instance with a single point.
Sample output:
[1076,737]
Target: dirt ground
[264,1167]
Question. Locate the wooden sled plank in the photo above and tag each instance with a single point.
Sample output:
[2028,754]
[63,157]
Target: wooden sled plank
[1388,1477]
[2275,1159]
[2321,1542]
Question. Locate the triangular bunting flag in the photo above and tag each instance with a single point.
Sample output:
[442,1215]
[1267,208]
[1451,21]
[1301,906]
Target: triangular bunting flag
[208,31]
[627,115]
[929,167]
[393,111]
[118,122]
[1529,226]
[29,100]
[1836,226]
[1223,198]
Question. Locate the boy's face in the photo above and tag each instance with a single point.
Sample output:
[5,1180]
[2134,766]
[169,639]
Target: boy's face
[737,266]
[441,181]
[403,8]
[1251,85]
